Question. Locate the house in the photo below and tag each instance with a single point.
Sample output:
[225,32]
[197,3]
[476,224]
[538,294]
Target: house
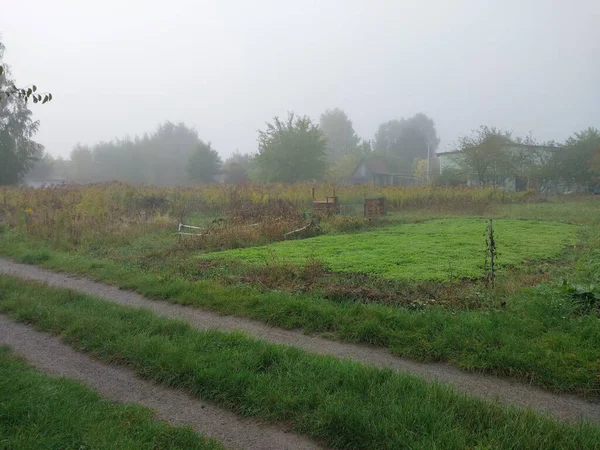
[374,170]
[532,154]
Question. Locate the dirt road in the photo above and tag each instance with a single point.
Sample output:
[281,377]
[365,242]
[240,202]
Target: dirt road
[119,384]
[490,387]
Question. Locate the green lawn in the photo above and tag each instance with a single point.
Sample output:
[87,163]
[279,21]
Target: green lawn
[343,404]
[42,412]
[433,250]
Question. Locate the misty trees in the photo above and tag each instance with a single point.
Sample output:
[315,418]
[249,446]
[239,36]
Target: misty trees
[579,162]
[18,150]
[161,157]
[43,169]
[408,139]
[203,164]
[339,132]
[341,168]
[485,157]
[238,168]
[81,167]
[344,148]
[291,150]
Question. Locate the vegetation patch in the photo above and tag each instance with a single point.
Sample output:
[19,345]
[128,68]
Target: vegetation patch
[435,250]
[39,411]
[489,339]
[345,405]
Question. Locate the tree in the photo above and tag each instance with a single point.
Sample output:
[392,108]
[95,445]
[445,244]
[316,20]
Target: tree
[291,151]
[203,164]
[343,167]
[8,88]
[81,168]
[421,171]
[485,157]
[579,162]
[43,169]
[451,176]
[237,168]
[339,132]
[18,151]
[160,157]
[408,139]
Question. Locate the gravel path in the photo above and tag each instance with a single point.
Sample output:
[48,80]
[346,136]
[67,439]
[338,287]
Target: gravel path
[561,406]
[50,355]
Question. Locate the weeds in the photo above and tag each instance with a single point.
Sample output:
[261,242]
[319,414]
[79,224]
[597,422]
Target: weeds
[69,215]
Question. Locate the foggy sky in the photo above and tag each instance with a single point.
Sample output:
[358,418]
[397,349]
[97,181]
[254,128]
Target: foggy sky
[119,68]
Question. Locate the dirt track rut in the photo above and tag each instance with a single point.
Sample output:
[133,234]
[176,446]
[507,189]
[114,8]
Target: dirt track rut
[512,392]
[50,355]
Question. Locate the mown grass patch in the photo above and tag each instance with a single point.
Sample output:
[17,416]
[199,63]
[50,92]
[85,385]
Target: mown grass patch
[43,412]
[433,250]
[343,404]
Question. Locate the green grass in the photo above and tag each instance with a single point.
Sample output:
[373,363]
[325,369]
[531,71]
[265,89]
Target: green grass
[42,412]
[343,404]
[539,337]
[433,250]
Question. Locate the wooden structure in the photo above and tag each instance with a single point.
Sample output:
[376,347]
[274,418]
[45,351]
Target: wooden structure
[375,206]
[325,206]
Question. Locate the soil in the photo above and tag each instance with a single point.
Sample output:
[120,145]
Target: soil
[119,384]
[568,407]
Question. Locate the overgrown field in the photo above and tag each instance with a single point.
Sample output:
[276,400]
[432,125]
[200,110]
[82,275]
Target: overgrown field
[39,411]
[433,250]
[345,405]
[540,323]
[73,213]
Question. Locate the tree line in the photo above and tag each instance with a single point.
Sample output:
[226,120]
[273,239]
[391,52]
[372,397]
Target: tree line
[490,156]
[290,149]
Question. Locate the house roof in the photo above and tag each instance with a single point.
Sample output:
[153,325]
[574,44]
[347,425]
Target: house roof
[524,146]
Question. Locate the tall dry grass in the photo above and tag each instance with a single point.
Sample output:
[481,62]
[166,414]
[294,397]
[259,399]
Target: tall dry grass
[69,212]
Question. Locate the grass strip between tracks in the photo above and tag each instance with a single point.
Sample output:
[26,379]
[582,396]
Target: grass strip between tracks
[341,403]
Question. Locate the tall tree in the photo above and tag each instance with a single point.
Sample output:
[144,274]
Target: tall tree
[81,168]
[485,157]
[43,169]
[408,139]
[339,132]
[579,162]
[291,151]
[161,157]
[18,150]
[343,167]
[237,168]
[203,164]
[170,149]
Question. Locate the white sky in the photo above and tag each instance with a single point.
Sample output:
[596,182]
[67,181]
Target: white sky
[119,68]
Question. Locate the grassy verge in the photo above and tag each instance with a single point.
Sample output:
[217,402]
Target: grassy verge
[343,404]
[38,411]
[539,337]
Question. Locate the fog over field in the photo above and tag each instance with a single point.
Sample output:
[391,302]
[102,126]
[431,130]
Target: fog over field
[225,68]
